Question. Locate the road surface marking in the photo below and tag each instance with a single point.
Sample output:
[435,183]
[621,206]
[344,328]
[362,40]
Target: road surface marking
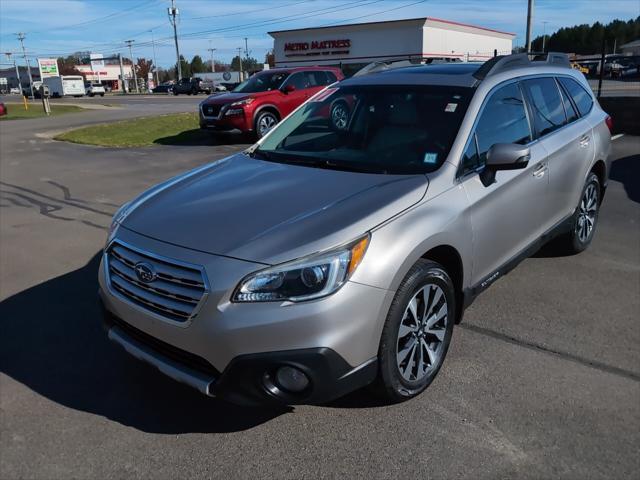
[615,137]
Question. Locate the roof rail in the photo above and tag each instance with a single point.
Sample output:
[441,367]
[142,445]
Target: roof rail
[381,66]
[502,63]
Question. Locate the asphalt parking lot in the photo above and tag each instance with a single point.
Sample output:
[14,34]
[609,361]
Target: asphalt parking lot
[542,379]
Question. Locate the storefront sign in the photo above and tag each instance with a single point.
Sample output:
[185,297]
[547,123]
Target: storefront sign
[48,67]
[317,47]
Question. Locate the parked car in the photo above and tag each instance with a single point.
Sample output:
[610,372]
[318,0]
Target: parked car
[190,86]
[93,89]
[3,109]
[26,89]
[259,103]
[326,258]
[15,91]
[163,88]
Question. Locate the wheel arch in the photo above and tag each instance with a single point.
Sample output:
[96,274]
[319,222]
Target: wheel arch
[269,108]
[600,169]
[451,261]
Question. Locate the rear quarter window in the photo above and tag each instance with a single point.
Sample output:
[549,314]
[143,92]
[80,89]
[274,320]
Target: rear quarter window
[580,96]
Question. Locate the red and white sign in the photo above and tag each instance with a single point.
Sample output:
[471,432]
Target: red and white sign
[317,47]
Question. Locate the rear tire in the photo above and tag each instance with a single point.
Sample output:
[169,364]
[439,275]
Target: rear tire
[585,218]
[417,332]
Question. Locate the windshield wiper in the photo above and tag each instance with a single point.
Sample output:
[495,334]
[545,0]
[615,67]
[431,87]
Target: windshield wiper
[354,167]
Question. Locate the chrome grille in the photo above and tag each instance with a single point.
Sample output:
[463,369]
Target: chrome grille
[176,292]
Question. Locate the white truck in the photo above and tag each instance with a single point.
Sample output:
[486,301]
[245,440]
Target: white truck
[65,85]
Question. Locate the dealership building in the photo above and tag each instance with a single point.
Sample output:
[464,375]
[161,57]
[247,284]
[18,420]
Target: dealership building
[353,46]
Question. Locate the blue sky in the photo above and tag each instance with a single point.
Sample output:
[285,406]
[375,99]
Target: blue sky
[60,27]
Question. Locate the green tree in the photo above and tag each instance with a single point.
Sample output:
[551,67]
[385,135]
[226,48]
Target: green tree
[248,64]
[185,66]
[197,65]
[587,39]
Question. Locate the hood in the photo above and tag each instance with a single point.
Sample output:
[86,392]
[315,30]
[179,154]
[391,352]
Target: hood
[228,97]
[270,212]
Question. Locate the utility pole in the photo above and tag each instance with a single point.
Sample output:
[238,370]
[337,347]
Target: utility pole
[8,54]
[24,52]
[124,90]
[173,14]
[133,66]
[240,63]
[544,34]
[211,50]
[155,64]
[529,23]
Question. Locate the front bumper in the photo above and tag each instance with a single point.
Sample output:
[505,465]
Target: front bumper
[226,123]
[230,349]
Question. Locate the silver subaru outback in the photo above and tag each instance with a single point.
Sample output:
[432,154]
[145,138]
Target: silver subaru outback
[342,248]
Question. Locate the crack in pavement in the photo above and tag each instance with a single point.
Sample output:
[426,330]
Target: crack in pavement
[621,372]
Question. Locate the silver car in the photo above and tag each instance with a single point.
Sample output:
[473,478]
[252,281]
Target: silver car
[341,249]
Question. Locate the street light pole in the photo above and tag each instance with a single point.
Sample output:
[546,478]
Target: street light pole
[544,34]
[529,23]
[211,51]
[173,13]
[24,52]
[133,66]
[8,54]
[240,64]
[155,64]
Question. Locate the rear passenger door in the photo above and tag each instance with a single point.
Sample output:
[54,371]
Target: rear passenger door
[507,215]
[568,140]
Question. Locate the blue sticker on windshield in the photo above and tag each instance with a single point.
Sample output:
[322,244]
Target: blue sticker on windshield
[430,158]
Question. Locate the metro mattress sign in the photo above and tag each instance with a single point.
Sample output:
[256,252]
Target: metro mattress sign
[322,47]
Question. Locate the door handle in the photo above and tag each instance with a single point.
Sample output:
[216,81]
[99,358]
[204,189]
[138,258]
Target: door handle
[540,170]
[584,141]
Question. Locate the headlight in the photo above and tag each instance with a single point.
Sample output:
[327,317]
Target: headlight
[242,103]
[307,278]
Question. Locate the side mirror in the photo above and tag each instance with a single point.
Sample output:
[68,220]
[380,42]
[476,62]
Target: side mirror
[504,156]
[289,88]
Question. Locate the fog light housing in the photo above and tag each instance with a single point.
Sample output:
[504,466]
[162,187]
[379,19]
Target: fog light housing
[291,379]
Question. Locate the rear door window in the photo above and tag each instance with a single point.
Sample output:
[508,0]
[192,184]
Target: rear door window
[569,109]
[580,96]
[546,104]
[503,120]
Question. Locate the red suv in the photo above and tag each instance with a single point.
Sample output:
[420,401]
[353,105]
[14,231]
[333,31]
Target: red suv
[260,102]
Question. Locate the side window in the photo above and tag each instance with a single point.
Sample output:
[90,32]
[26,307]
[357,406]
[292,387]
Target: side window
[546,104]
[503,120]
[315,79]
[572,115]
[331,77]
[298,80]
[470,159]
[580,96]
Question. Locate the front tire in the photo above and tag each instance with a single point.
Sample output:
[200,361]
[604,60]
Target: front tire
[265,121]
[417,332]
[585,218]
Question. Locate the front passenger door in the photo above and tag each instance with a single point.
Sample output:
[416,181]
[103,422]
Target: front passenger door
[507,215]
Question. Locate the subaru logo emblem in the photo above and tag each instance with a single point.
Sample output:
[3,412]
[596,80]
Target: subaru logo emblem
[145,272]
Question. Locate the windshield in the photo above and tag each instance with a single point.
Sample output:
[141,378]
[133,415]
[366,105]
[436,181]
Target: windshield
[379,129]
[262,82]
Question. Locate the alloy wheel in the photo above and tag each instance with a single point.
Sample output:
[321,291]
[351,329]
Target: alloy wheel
[587,213]
[266,123]
[422,332]
[340,117]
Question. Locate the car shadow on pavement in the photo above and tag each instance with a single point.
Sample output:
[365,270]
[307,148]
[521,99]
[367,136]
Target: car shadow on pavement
[626,170]
[198,137]
[52,341]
